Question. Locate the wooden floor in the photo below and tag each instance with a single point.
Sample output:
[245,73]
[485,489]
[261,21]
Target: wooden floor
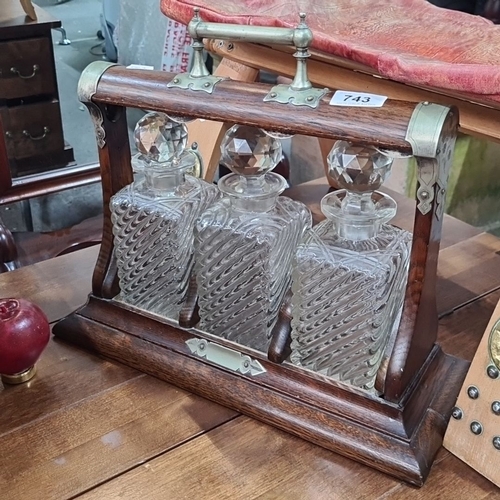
[89,428]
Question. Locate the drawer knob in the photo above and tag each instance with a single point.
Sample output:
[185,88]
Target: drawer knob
[46,131]
[25,77]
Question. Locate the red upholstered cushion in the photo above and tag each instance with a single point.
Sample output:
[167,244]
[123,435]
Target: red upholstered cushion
[409,41]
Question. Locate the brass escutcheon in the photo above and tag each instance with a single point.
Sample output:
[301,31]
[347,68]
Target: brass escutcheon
[494,344]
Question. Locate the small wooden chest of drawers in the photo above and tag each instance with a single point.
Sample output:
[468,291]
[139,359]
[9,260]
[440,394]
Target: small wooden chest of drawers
[29,100]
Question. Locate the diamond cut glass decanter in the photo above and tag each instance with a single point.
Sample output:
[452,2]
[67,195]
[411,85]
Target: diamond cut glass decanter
[350,273]
[244,243]
[153,219]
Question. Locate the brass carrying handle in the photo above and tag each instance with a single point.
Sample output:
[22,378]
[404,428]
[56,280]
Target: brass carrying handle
[46,131]
[299,93]
[25,77]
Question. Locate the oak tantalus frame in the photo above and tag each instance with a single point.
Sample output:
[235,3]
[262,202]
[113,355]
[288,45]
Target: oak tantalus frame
[398,433]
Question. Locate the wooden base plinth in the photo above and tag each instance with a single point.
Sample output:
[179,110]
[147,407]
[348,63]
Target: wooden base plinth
[400,440]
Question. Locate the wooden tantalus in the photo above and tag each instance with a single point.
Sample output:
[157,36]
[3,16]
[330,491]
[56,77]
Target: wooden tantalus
[398,433]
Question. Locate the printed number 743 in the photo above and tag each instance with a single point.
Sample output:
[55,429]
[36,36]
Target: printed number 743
[358,98]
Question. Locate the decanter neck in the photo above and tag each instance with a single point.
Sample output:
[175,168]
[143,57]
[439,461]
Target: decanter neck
[358,216]
[166,177]
[252,193]
[355,231]
[159,180]
[252,204]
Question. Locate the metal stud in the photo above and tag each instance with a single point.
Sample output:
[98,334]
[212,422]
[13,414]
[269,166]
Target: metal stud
[473,392]
[496,442]
[176,80]
[476,428]
[492,371]
[457,413]
[495,407]
[273,94]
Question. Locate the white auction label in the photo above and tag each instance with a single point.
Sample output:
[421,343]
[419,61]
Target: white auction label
[140,66]
[357,99]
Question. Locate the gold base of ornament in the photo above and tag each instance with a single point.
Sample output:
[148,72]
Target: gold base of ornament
[19,378]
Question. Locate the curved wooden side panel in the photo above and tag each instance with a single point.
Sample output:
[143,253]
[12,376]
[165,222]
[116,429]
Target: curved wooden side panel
[116,172]
[418,328]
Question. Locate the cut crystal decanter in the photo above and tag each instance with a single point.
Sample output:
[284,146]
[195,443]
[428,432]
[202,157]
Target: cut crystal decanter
[245,243]
[153,219]
[350,273]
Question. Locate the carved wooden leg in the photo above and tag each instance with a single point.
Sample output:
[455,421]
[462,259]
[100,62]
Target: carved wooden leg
[208,134]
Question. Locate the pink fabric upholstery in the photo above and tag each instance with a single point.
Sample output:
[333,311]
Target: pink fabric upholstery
[408,41]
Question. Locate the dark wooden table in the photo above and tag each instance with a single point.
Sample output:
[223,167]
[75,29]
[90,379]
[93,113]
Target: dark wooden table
[89,428]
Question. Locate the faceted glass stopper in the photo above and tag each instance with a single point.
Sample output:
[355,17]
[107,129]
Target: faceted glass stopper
[159,138]
[358,168]
[249,151]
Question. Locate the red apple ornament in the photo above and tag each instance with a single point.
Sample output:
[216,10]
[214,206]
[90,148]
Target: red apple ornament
[24,334]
